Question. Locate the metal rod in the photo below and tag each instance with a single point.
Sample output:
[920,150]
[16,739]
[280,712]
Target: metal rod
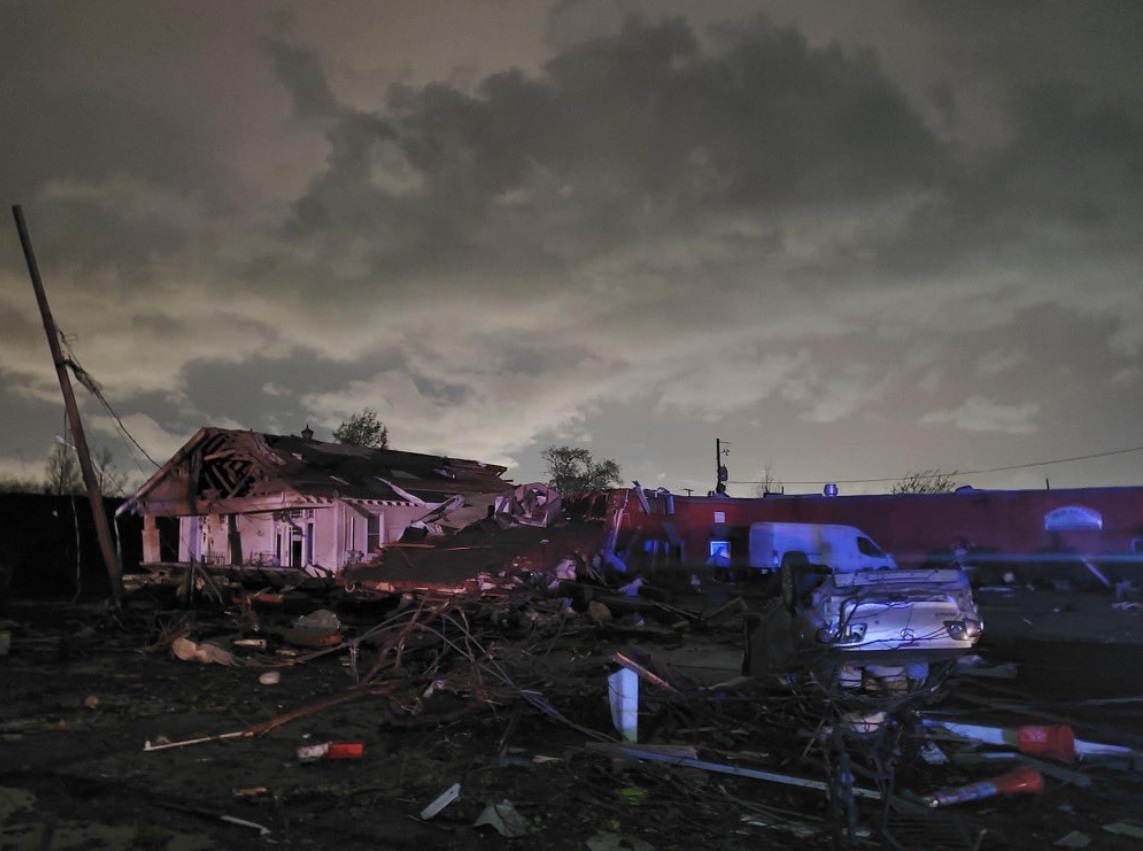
[723,768]
[102,529]
[162,746]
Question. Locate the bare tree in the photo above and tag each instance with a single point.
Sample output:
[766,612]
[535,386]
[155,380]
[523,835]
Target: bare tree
[930,480]
[110,479]
[572,470]
[363,429]
[768,483]
[61,472]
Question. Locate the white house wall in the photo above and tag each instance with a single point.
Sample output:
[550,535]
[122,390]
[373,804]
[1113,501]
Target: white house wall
[188,531]
[398,518]
[393,519]
[200,538]
[354,529]
[206,538]
[339,534]
[257,534]
[327,538]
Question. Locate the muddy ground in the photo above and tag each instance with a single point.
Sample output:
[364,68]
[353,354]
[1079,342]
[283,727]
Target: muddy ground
[505,693]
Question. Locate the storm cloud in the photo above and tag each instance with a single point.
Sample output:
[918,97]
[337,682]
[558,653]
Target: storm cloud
[916,233]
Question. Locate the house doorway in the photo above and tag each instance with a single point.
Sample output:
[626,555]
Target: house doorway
[297,546]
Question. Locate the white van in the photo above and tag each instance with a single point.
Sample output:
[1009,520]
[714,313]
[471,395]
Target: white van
[845,549]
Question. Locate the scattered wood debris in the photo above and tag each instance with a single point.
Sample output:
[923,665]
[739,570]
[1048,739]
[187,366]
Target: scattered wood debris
[485,707]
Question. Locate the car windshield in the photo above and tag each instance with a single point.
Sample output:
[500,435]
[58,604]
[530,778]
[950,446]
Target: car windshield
[867,548]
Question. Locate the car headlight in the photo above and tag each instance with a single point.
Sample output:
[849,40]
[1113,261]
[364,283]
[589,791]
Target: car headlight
[853,633]
[965,630]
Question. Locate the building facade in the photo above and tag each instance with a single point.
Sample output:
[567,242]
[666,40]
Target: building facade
[244,498]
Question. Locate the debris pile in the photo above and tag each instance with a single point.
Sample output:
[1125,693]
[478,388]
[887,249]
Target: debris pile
[561,706]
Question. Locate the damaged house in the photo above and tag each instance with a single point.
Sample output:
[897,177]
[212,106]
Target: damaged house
[242,498]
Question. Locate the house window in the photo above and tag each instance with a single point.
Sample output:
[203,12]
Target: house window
[373,533]
[719,552]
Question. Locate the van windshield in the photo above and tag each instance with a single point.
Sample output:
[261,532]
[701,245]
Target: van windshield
[867,548]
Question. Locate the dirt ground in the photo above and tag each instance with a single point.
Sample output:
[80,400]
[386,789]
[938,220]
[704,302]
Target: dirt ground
[505,693]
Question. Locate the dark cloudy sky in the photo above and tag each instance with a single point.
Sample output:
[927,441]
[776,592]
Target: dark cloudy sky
[849,239]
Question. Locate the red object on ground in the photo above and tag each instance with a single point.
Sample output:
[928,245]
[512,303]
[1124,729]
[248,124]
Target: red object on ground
[1055,741]
[1023,779]
[345,750]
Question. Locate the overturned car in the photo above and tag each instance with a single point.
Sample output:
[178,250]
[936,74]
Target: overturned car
[882,631]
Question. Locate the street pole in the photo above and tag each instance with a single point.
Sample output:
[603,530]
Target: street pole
[720,472]
[102,528]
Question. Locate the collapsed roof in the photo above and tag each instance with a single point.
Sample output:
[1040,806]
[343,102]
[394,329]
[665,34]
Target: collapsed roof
[231,471]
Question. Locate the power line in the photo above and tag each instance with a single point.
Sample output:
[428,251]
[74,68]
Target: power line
[96,390]
[963,472]
[126,433]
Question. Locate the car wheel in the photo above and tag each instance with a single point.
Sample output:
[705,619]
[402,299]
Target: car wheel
[794,564]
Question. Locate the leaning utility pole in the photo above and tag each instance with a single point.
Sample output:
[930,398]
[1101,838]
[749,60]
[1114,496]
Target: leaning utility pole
[102,529]
[720,471]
